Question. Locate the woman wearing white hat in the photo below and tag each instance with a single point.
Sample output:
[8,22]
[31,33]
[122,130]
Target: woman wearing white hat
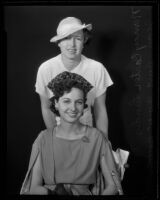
[71,37]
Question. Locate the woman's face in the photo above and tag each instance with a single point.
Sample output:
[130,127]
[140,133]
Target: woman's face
[71,46]
[71,105]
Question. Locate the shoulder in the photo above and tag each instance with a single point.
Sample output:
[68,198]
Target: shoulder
[93,64]
[95,134]
[43,136]
[46,65]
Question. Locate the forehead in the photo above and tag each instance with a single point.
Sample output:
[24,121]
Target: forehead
[77,33]
[75,93]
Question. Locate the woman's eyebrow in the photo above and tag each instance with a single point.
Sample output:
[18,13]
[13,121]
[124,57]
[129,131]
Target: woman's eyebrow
[80,99]
[65,98]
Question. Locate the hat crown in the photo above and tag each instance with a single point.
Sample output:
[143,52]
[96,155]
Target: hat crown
[68,24]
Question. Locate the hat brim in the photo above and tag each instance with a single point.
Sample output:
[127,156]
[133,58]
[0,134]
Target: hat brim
[60,37]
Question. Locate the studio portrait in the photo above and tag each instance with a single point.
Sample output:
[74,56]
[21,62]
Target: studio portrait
[80,95]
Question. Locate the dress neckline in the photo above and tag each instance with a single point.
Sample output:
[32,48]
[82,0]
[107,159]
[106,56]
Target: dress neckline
[72,139]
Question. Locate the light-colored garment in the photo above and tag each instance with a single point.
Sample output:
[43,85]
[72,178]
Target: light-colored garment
[72,162]
[121,158]
[91,70]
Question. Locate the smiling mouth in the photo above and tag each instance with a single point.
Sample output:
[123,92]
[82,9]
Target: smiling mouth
[72,50]
[73,115]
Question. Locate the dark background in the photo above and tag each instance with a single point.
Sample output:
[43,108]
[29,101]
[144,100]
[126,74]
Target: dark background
[122,41]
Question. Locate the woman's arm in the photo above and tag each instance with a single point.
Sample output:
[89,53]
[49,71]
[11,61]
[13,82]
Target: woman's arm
[110,187]
[48,115]
[37,180]
[100,114]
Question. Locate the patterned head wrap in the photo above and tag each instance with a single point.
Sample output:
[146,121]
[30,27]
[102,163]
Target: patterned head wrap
[67,80]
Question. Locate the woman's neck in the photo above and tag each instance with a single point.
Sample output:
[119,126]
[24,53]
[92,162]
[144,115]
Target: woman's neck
[69,129]
[70,63]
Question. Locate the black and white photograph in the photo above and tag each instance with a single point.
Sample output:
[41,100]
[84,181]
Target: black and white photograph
[82,84]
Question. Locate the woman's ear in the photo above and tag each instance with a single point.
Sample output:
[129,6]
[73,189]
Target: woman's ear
[58,43]
[56,104]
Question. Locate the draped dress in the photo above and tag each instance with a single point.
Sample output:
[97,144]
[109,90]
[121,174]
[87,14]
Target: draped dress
[72,162]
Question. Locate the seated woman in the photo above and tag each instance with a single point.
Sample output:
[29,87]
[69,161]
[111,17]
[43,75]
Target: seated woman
[65,160]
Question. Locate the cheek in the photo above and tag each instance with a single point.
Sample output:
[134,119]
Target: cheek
[81,108]
[62,108]
[62,45]
[80,45]
[61,48]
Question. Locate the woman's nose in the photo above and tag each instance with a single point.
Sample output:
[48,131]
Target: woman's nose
[73,107]
[72,41]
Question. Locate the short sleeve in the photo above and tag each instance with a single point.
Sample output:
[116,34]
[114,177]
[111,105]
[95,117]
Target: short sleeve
[106,152]
[34,154]
[103,80]
[39,137]
[42,81]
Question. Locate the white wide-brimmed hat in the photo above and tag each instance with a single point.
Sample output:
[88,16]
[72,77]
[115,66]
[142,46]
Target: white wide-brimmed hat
[68,26]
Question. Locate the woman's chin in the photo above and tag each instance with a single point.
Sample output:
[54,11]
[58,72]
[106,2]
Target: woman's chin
[72,119]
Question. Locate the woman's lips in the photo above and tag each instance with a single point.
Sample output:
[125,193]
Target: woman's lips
[72,114]
[72,50]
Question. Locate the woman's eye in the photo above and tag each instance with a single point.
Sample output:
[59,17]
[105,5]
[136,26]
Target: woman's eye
[66,38]
[80,102]
[79,38]
[66,101]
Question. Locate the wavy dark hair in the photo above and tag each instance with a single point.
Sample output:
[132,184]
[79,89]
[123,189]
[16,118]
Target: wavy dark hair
[63,83]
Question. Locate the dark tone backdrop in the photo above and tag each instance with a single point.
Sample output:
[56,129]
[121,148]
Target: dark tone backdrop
[122,41]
